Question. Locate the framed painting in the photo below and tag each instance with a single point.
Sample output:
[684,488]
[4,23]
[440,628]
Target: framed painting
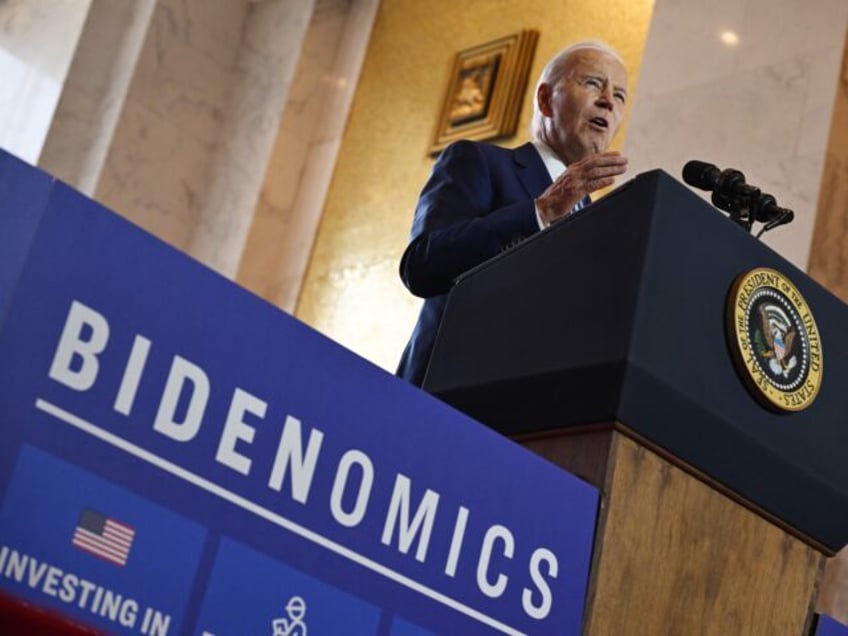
[485,90]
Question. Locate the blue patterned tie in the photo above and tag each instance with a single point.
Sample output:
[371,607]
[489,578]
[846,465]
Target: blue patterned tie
[581,204]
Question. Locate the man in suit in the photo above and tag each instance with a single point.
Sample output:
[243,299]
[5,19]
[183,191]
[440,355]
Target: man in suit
[482,199]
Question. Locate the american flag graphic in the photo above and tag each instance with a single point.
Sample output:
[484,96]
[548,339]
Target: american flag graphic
[104,537]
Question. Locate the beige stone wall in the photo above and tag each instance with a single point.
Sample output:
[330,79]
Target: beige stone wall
[745,84]
[352,291]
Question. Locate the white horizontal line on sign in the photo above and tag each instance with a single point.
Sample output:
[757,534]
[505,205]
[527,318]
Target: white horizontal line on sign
[241,502]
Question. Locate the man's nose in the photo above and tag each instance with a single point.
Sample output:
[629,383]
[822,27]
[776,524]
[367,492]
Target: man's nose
[605,98]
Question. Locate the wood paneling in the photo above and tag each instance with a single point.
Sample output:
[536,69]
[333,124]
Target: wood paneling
[829,249]
[675,556]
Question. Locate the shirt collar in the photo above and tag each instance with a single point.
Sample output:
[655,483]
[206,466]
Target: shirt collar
[552,162]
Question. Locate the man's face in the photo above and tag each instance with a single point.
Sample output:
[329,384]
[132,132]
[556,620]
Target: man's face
[584,107]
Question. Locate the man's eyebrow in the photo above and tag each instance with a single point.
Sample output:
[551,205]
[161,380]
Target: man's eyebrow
[619,87]
[603,78]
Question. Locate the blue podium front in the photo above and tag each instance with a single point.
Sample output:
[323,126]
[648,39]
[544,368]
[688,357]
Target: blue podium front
[180,457]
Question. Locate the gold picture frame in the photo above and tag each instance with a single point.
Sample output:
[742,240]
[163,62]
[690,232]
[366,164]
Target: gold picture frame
[485,90]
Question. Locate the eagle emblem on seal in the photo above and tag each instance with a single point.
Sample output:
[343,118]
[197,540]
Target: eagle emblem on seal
[775,342]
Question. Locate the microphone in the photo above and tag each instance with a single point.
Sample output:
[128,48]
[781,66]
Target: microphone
[700,174]
[727,184]
[746,203]
[767,211]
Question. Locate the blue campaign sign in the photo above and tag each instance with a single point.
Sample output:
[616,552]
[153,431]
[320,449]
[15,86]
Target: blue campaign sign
[830,627]
[192,460]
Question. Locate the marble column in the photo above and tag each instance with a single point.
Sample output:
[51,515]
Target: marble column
[272,39]
[295,186]
[37,42]
[169,110]
[92,98]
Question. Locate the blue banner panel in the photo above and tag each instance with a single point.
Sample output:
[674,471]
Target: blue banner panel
[175,392]
[136,561]
[830,627]
[401,627]
[23,196]
[248,593]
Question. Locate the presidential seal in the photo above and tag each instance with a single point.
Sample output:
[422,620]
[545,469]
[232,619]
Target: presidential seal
[774,340]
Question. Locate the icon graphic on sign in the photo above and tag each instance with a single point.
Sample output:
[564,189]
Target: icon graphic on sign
[103,537]
[293,625]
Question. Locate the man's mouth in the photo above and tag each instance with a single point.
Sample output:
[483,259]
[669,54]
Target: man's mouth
[599,122]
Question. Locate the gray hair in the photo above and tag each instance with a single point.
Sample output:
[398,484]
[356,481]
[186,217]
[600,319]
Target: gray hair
[555,69]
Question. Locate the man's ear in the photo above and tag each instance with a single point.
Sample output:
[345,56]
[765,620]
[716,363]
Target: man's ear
[543,99]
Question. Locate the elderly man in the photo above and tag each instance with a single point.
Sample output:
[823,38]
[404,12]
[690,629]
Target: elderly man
[481,199]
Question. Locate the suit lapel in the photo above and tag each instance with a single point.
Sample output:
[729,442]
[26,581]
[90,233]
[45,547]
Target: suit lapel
[531,169]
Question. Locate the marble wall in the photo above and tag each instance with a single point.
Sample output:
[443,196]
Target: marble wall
[37,42]
[747,84]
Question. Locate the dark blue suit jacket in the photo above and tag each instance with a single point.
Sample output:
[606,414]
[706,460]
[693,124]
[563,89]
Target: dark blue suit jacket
[477,202]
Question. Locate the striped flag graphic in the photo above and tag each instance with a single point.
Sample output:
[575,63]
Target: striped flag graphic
[104,537]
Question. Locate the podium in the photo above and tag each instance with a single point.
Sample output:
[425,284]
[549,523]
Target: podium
[602,344]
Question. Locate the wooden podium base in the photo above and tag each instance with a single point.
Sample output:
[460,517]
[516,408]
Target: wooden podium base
[673,555]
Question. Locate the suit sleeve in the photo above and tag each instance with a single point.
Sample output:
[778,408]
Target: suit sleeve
[456,226]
